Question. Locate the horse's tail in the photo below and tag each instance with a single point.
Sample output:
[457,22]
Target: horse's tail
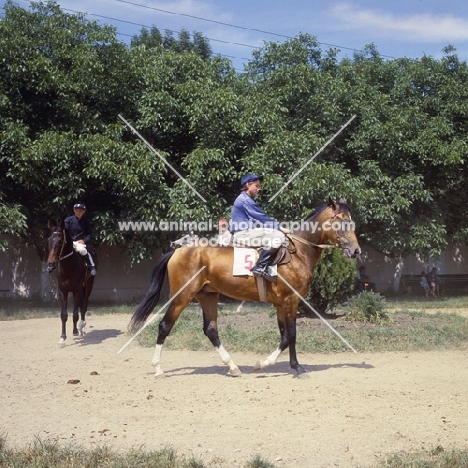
[147,305]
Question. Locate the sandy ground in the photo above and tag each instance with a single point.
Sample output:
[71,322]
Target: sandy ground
[354,408]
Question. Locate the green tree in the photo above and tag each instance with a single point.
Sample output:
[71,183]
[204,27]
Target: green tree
[185,43]
[59,141]
[410,150]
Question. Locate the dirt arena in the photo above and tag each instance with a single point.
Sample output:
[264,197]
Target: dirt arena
[353,410]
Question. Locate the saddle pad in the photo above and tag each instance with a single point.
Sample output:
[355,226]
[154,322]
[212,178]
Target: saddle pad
[245,259]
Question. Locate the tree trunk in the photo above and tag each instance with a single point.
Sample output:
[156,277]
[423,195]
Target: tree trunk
[400,264]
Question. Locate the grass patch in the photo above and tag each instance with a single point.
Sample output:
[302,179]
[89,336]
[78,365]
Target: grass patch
[450,332]
[44,454]
[258,333]
[254,328]
[24,312]
[429,303]
[52,455]
[435,458]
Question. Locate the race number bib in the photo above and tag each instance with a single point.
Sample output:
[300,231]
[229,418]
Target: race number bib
[244,260]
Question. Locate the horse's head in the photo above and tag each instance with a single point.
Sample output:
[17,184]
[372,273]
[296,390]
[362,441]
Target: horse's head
[339,228]
[56,243]
[188,239]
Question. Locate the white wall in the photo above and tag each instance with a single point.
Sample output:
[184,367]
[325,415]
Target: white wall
[382,269]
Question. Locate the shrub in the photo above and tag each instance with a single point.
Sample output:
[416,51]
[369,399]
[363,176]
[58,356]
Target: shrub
[332,283]
[367,307]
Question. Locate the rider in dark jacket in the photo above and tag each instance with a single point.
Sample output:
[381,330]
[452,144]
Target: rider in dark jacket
[79,229]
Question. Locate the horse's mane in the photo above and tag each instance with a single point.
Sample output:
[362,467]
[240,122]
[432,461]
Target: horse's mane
[319,209]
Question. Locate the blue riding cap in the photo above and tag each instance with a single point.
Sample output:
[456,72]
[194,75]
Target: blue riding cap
[250,178]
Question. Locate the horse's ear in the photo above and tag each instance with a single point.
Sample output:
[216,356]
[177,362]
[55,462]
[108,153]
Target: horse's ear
[331,203]
[62,224]
[50,224]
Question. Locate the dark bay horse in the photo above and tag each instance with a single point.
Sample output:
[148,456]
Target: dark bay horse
[205,272]
[72,277]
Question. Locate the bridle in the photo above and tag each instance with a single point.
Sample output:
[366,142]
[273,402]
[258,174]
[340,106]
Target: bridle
[63,246]
[53,266]
[333,215]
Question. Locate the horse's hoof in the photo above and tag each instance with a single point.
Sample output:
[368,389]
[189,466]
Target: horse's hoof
[235,372]
[75,333]
[159,376]
[258,366]
[61,343]
[303,376]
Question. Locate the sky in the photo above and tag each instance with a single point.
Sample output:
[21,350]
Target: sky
[398,28]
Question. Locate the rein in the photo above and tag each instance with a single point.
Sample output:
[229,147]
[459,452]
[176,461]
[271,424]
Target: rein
[66,256]
[320,246]
[63,246]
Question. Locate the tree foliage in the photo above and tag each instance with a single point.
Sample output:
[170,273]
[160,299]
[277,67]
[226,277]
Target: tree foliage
[153,39]
[64,80]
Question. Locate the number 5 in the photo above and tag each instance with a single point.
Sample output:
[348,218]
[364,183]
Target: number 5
[248,263]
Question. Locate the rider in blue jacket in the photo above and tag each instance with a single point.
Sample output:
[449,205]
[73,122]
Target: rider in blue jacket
[251,227]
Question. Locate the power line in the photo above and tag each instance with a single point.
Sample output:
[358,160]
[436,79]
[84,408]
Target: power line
[170,30]
[201,19]
[149,27]
[230,25]
[206,20]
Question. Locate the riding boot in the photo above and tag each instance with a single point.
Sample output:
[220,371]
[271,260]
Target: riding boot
[90,264]
[264,261]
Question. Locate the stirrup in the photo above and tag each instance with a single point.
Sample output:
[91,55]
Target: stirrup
[263,274]
[268,277]
[258,273]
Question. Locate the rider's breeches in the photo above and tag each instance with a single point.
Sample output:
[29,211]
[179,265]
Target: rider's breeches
[260,237]
[80,248]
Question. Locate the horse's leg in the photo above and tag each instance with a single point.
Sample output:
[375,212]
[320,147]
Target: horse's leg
[63,316]
[165,326]
[290,314]
[287,326]
[84,306]
[77,304]
[273,357]
[209,304]
[291,331]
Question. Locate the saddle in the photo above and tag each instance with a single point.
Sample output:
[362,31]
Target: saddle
[283,256]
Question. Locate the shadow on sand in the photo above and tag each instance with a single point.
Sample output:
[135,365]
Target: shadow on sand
[95,337]
[279,369]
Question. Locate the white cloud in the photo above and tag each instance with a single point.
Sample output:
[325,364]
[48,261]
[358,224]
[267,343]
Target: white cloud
[410,27]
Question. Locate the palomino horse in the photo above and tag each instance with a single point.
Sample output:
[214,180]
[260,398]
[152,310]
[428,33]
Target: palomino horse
[205,272]
[72,277]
